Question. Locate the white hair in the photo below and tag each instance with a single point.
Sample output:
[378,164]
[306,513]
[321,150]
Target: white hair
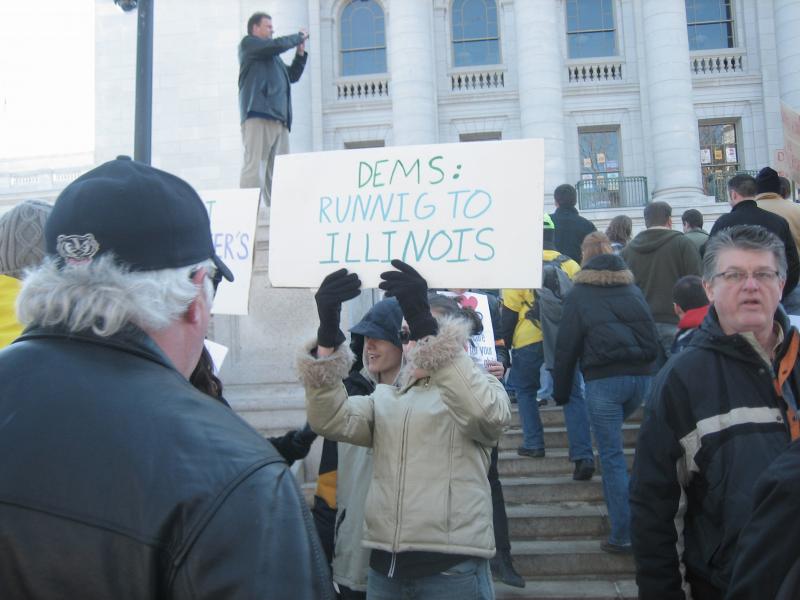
[105,296]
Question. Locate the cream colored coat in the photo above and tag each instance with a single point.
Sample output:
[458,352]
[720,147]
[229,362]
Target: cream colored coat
[785,208]
[431,442]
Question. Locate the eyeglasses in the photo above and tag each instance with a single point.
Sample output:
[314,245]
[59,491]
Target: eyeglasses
[404,335]
[736,277]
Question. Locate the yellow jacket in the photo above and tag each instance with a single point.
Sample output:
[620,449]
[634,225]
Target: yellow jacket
[520,301]
[10,328]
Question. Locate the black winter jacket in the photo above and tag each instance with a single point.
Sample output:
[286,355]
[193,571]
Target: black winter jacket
[606,324]
[747,212]
[264,79]
[714,426]
[767,562]
[571,228]
[121,480]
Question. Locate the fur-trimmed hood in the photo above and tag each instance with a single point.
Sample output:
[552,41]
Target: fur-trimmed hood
[605,270]
[429,354]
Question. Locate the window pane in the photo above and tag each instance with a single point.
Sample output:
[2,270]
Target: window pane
[485,52]
[599,151]
[363,38]
[585,45]
[707,10]
[710,36]
[474,19]
[364,62]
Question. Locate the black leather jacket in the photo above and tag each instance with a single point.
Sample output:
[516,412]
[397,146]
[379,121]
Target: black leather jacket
[120,480]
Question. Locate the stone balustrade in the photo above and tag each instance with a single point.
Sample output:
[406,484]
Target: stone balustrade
[594,72]
[720,62]
[362,89]
[461,81]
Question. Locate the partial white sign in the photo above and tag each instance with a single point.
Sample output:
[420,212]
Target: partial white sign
[464,215]
[233,215]
[791,140]
[482,346]
[218,353]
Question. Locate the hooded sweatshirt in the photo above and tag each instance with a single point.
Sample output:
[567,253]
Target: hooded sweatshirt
[658,257]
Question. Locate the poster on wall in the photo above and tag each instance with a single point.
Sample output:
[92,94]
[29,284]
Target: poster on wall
[601,158]
[460,214]
[730,154]
[587,163]
[705,156]
[612,165]
[718,154]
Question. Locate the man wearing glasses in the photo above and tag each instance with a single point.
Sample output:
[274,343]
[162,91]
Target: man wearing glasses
[720,412]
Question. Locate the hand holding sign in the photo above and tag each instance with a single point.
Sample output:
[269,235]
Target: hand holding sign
[411,291]
[336,288]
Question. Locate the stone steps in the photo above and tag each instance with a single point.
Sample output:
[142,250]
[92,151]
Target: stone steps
[569,589]
[556,437]
[556,524]
[555,462]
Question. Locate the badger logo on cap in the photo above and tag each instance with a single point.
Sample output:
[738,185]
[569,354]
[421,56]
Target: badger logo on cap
[77,249]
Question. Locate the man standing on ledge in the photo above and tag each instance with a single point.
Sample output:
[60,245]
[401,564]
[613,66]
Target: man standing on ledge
[265,98]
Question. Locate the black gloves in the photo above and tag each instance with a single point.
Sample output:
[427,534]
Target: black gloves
[334,289]
[411,291]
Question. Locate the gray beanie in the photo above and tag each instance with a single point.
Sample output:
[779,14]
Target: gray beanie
[22,243]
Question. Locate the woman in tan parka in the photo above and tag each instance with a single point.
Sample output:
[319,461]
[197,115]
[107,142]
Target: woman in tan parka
[428,516]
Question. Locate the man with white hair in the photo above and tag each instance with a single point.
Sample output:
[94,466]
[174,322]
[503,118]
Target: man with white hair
[120,479]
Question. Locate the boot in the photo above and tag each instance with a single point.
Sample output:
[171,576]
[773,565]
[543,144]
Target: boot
[503,570]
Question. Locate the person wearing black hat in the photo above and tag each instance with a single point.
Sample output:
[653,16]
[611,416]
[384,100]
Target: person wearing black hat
[125,480]
[428,515]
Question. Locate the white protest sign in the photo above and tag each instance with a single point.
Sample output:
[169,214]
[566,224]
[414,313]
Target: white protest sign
[791,139]
[482,346]
[464,215]
[233,215]
[218,353]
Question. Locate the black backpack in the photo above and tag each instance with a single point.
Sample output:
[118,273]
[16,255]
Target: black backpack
[547,303]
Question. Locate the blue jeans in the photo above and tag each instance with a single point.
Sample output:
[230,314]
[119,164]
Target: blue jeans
[545,383]
[468,580]
[525,365]
[611,401]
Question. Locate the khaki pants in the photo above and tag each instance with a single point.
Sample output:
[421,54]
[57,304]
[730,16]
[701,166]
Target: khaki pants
[263,140]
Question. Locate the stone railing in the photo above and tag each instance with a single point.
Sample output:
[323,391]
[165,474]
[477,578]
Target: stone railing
[42,182]
[362,89]
[462,81]
[596,71]
[619,192]
[720,62]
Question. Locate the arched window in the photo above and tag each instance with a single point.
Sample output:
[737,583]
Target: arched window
[710,24]
[475,37]
[363,41]
[590,28]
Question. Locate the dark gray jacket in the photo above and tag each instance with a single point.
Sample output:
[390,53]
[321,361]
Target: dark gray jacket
[121,480]
[264,79]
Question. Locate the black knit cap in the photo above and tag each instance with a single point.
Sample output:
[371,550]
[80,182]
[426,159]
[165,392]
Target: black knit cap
[149,219]
[767,181]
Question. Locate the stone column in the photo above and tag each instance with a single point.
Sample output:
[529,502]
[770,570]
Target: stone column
[412,70]
[787,42]
[674,140]
[289,16]
[539,64]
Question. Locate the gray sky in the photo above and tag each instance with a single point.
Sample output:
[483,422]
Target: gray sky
[46,77]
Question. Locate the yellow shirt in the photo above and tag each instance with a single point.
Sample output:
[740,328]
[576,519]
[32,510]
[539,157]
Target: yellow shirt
[10,328]
[520,301]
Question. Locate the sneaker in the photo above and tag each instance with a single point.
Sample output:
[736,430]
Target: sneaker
[584,469]
[503,570]
[531,453]
[544,402]
[607,546]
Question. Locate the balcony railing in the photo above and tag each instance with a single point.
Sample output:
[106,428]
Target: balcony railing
[362,89]
[717,185]
[619,192]
[594,72]
[723,62]
[462,81]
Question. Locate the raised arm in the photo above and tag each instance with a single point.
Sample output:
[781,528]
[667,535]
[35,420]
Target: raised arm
[255,48]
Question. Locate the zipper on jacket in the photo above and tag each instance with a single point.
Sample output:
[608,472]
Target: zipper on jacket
[400,482]
[392,565]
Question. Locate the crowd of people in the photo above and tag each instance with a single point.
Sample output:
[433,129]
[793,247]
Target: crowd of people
[127,474]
